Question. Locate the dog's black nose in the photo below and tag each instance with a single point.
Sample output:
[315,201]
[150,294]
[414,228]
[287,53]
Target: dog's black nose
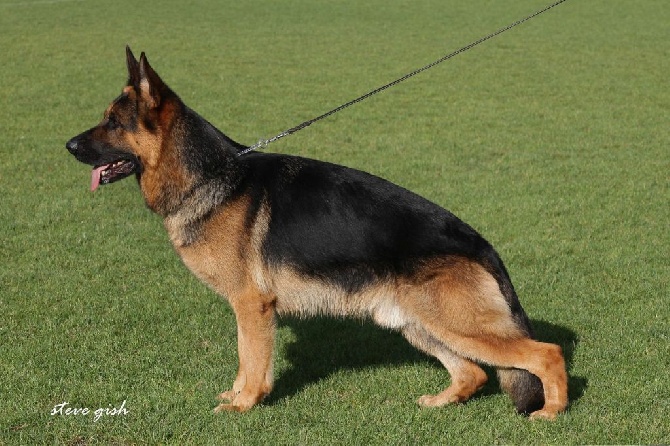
[71,145]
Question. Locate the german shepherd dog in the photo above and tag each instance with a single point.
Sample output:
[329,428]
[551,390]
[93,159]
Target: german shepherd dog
[278,235]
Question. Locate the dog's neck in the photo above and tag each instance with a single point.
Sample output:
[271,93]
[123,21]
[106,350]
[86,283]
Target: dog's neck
[213,176]
[184,223]
[195,157]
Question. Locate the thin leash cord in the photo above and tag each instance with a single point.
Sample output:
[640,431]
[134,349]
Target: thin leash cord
[263,143]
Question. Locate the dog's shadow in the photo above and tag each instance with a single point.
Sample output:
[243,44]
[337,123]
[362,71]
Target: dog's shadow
[325,346]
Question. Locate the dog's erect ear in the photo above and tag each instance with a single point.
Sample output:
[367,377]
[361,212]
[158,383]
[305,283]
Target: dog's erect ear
[133,69]
[151,87]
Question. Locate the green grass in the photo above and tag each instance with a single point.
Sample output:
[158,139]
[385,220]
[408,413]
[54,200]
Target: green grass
[551,139]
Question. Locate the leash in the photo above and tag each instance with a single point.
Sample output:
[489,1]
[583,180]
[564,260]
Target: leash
[263,143]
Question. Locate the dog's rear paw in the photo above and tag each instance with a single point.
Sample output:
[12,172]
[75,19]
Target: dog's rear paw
[437,400]
[543,414]
[234,406]
[228,395]
[227,407]
[449,396]
[427,401]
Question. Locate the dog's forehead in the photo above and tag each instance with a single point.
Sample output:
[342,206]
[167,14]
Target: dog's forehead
[122,103]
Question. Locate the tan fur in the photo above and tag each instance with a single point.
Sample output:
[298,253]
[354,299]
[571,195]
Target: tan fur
[466,376]
[224,258]
[302,296]
[163,171]
[219,257]
[460,313]
[462,296]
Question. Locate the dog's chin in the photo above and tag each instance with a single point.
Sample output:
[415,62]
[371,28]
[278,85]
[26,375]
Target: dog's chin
[109,173]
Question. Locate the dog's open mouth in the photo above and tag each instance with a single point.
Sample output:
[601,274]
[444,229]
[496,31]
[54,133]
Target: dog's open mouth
[108,173]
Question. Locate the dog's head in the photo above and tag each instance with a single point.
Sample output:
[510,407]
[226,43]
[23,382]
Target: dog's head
[129,139]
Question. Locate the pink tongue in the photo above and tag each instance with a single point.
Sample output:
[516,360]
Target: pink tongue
[95,177]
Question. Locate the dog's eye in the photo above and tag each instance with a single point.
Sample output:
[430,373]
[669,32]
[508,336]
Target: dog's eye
[112,123]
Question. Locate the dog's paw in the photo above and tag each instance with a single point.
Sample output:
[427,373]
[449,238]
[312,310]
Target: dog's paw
[435,400]
[234,406]
[226,407]
[237,401]
[228,395]
[441,399]
[426,401]
[543,414]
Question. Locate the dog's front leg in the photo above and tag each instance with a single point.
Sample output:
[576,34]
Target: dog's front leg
[255,315]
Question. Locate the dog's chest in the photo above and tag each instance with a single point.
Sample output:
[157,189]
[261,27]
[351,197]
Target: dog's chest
[223,251]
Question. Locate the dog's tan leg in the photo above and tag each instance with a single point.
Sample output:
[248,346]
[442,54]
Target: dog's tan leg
[541,359]
[462,308]
[241,377]
[466,376]
[256,331]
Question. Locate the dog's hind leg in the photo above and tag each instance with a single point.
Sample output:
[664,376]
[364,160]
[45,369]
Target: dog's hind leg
[255,341]
[541,359]
[466,376]
[462,307]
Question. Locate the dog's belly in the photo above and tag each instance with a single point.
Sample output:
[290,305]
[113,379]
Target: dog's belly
[308,297]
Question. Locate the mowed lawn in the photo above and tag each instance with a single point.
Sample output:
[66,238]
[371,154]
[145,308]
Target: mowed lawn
[553,140]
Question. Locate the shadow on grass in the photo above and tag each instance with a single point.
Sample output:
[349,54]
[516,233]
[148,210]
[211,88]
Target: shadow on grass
[326,346]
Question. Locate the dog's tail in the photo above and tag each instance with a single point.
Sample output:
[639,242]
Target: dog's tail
[523,387]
